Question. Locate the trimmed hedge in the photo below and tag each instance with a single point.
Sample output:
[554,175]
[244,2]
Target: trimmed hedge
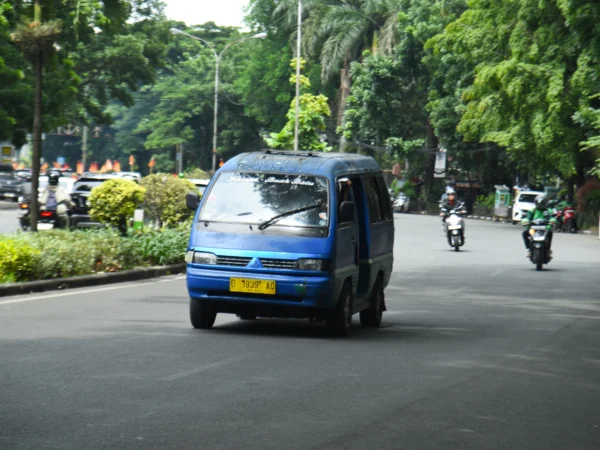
[59,253]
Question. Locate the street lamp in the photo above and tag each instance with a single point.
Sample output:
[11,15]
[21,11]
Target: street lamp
[217,61]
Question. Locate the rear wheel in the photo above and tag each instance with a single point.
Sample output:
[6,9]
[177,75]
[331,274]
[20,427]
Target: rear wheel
[201,316]
[339,321]
[372,317]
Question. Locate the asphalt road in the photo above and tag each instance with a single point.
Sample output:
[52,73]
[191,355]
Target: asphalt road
[9,222]
[478,351]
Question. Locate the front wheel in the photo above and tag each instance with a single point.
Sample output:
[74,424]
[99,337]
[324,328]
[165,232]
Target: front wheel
[538,259]
[372,317]
[201,316]
[339,321]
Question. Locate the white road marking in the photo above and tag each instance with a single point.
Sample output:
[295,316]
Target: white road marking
[87,291]
[205,367]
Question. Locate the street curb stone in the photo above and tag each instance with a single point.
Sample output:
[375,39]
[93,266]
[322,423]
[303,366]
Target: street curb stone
[90,280]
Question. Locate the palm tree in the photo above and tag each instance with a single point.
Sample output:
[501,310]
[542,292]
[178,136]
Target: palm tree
[35,38]
[338,31]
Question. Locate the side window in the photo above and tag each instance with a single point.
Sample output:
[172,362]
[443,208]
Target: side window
[373,199]
[384,198]
[344,194]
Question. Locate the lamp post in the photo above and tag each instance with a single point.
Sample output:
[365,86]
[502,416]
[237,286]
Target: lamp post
[298,42]
[217,61]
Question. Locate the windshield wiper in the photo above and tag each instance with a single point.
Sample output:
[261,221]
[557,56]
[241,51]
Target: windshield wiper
[272,220]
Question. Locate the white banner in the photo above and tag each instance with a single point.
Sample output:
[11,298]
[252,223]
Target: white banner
[440,165]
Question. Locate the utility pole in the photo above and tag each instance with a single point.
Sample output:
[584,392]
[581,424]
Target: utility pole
[298,50]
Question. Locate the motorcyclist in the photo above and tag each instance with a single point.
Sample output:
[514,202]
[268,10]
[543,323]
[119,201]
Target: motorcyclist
[540,212]
[54,198]
[450,203]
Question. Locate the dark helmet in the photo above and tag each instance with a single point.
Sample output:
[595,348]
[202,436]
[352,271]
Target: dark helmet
[541,202]
[53,178]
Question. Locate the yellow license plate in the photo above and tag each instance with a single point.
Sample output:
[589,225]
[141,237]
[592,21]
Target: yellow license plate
[252,286]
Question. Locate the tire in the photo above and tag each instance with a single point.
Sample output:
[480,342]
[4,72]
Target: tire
[201,316]
[339,321]
[455,243]
[537,257]
[246,317]
[371,317]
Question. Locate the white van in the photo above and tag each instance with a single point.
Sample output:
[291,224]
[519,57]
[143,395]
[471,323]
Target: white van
[524,202]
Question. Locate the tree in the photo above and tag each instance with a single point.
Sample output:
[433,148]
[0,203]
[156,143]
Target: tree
[36,39]
[311,120]
[338,31]
[525,94]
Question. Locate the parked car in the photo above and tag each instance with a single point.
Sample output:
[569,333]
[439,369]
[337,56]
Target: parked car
[11,187]
[200,184]
[129,175]
[524,202]
[80,216]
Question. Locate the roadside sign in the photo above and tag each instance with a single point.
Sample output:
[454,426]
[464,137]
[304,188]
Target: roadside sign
[6,154]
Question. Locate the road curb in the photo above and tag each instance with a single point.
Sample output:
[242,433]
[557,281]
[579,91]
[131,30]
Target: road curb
[90,280]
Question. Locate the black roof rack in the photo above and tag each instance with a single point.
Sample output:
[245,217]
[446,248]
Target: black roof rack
[290,153]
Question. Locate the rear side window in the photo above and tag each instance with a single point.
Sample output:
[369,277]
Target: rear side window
[384,199]
[373,200]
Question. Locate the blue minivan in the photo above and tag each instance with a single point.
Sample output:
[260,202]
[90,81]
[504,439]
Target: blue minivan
[298,235]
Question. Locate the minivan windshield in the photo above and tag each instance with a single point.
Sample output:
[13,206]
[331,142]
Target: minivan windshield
[254,198]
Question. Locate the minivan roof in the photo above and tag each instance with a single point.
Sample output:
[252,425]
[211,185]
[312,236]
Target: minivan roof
[313,163]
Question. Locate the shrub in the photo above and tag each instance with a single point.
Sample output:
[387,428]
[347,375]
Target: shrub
[18,262]
[486,201]
[114,201]
[164,200]
[161,247]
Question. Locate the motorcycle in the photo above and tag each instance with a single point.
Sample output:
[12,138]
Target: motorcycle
[568,223]
[23,213]
[400,203]
[454,226]
[48,220]
[538,236]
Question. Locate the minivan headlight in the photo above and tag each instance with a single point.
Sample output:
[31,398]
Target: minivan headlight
[200,258]
[311,264]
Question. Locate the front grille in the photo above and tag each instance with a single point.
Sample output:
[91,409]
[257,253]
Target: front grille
[236,261]
[278,263]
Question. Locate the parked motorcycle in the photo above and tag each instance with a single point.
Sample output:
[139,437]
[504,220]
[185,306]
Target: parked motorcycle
[538,235]
[401,203]
[568,222]
[454,226]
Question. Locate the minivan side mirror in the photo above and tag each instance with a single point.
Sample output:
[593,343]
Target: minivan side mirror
[346,212]
[192,200]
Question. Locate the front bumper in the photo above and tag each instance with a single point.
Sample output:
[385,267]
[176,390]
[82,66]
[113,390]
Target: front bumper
[10,192]
[292,291]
